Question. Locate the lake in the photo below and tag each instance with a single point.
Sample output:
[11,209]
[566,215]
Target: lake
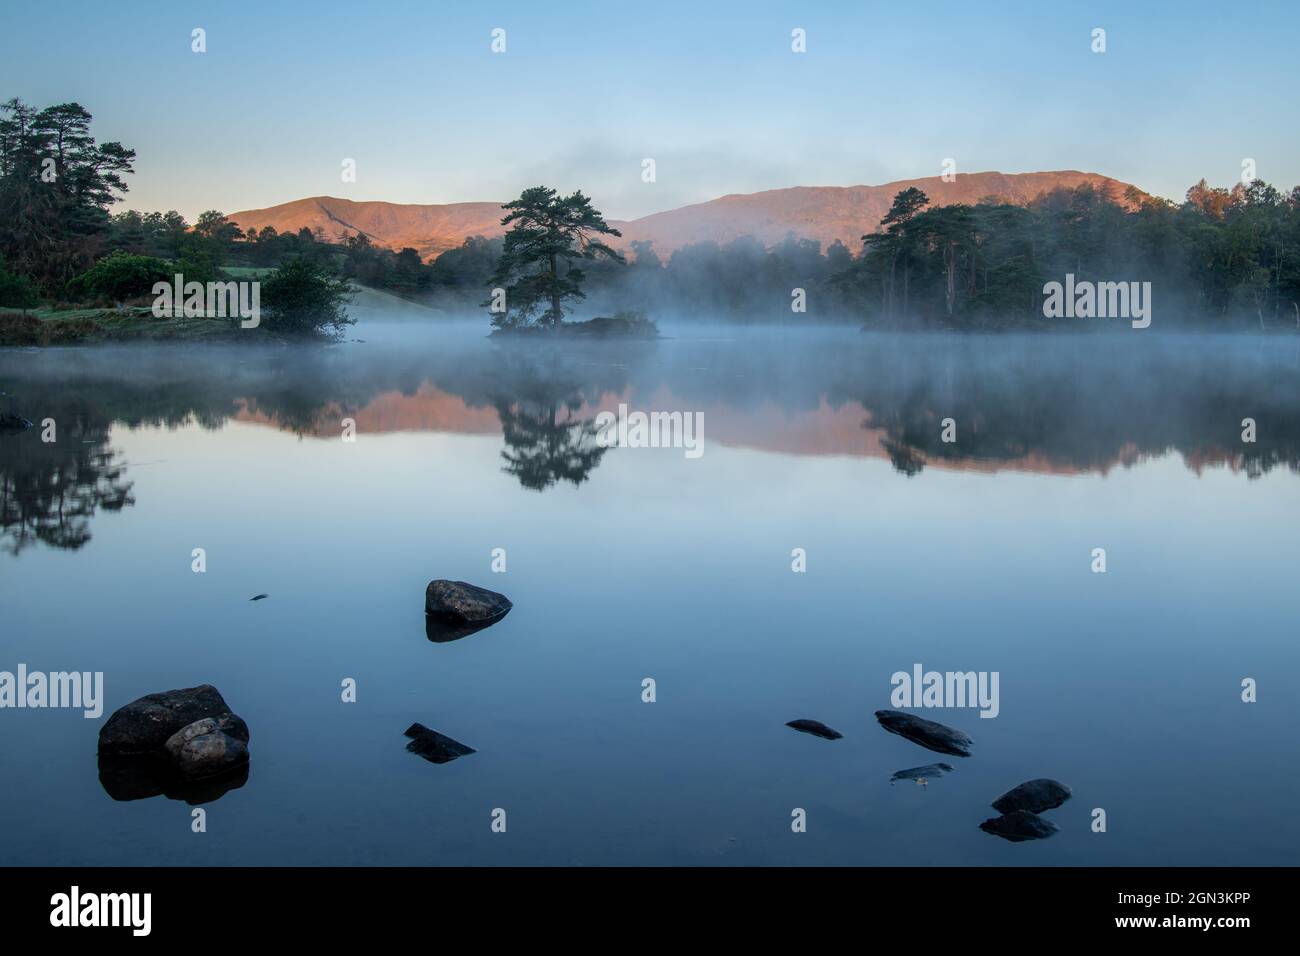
[628,563]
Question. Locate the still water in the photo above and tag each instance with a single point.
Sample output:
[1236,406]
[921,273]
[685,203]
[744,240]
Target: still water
[633,563]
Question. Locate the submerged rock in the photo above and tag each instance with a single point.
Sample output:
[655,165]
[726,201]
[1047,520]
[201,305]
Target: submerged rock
[1034,796]
[459,603]
[930,771]
[433,746]
[146,724]
[209,747]
[1019,825]
[814,727]
[926,733]
[13,423]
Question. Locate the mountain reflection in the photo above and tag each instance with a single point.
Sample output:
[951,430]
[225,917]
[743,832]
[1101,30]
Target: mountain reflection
[1051,405]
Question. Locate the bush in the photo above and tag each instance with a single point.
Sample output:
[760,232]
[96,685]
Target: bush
[16,292]
[120,276]
[304,298]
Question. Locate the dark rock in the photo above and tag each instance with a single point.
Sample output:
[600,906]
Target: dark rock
[209,747]
[433,746]
[459,603]
[1019,825]
[141,776]
[144,725]
[259,597]
[926,733]
[13,423]
[1034,796]
[816,728]
[930,771]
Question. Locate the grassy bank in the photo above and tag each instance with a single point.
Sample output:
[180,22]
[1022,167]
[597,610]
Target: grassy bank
[42,327]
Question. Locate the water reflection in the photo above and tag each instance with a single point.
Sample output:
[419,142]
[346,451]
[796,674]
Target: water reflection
[50,491]
[1051,405]
[141,776]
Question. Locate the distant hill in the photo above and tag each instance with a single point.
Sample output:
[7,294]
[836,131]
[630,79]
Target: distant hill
[823,213]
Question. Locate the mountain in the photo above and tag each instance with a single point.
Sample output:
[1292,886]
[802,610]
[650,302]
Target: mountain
[823,213]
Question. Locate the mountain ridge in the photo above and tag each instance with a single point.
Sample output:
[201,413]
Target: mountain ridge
[822,213]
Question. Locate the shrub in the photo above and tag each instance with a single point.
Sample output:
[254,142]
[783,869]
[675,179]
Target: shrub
[120,276]
[304,298]
[16,292]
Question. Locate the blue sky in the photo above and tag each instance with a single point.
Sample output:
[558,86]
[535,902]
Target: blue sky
[286,91]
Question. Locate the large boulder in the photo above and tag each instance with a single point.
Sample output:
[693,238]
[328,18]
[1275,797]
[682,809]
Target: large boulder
[1034,796]
[464,604]
[1019,825]
[209,747]
[146,724]
[927,733]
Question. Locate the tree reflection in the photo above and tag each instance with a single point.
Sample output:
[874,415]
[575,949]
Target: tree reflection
[49,491]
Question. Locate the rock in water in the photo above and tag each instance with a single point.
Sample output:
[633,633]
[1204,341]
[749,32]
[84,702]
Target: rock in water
[209,747]
[929,772]
[1019,825]
[461,603]
[1033,796]
[433,746]
[927,733]
[13,423]
[145,725]
[814,727]
[259,597]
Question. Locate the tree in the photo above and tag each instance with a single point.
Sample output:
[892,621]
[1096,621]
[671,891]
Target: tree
[549,233]
[895,244]
[304,298]
[56,185]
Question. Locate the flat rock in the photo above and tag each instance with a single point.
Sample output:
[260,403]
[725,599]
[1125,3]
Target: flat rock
[930,771]
[815,727]
[926,733]
[1035,796]
[146,724]
[433,746]
[461,603]
[209,747]
[1019,825]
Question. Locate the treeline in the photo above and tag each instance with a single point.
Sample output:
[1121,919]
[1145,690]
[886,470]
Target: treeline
[1222,258]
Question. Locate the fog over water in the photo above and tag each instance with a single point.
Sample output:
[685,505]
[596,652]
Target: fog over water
[626,563]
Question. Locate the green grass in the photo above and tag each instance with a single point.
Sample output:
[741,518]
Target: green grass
[40,327]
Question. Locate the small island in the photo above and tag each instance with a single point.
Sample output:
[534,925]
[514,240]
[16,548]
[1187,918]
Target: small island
[538,271]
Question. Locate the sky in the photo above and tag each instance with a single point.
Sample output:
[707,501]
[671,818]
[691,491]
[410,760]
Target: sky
[713,93]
